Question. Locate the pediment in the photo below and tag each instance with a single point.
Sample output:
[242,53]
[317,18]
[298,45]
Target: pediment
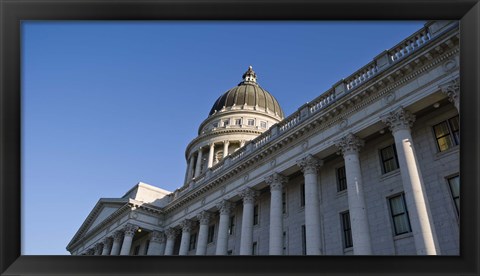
[103,210]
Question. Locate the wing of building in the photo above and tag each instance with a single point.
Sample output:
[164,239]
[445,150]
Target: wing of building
[370,166]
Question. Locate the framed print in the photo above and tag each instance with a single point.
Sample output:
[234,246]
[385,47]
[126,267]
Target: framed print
[365,177]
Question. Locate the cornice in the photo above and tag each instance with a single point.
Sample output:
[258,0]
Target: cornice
[361,96]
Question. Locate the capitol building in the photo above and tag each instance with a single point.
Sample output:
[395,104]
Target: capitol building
[369,167]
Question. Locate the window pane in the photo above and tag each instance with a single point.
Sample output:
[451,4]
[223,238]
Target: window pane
[397,205]
[444,143]
[441,129]
[387,153]
[454,123]
[455,186]
[401,224]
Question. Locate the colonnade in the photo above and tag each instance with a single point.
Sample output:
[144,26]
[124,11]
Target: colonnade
[399,122]
[194,168]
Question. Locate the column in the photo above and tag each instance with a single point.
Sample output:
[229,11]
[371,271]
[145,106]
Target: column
[225,148]
[98,249]
[157,243]
[225,207]
[117,242]
[246,239]
[130,230]
[204,218]
[400,122]
[198,168]
[309,166]
[452,90]
[350,146]
[190,169]
[107,245]
[210,155]
[171,234]
[276,182]
[185,240]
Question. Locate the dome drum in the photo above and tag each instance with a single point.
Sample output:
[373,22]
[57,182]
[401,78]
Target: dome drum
[238,116]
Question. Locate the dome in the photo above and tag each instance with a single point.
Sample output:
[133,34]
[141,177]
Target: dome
[248,93]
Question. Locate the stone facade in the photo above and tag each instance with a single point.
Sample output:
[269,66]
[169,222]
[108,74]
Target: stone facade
[369,167]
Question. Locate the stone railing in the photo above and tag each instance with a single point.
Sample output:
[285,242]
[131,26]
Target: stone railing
[362,75]
[380,63]
[410,44]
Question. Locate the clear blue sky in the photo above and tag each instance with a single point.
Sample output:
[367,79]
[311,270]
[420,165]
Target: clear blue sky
[108,104]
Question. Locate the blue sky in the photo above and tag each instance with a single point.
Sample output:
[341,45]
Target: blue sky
[108,104]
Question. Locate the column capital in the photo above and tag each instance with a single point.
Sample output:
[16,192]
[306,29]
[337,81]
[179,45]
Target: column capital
[130,229]
[171,233]
[107,241]
[309,164]
[204,217]
[276,181]
[117,236]
[452,90]
[98,248]
[350,143]
[186,225]
[248,195]
[157,236]
[399,119]
[90,251]
[225,207]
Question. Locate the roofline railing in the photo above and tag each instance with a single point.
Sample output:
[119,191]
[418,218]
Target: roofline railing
[382,62]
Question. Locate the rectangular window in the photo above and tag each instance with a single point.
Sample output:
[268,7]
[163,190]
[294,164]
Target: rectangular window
[347,230]
[211,233]
[389,158]
[238,121]
[447,133]
[263,124]
[341,179]
[215,124]
[231,227]
[454,183]
[226,122]
[147,244]
[255,215]
[304,240]
[284,202]
[398,209]
[251,122]
[230,252]
[136,250]
[193,241]
[254,248]
[302,194]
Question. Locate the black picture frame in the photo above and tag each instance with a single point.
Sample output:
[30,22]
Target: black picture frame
[14,11]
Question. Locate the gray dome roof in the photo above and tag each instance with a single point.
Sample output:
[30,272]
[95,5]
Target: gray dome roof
[248,93]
